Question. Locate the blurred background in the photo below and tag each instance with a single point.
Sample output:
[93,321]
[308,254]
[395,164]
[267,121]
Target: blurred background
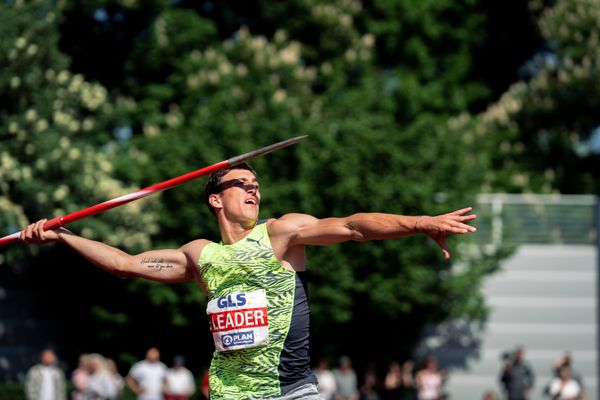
[412,107]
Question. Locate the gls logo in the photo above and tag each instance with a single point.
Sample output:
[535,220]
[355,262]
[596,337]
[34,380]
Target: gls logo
[231,301]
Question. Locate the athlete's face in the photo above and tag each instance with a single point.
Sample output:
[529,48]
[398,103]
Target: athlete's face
[239,198]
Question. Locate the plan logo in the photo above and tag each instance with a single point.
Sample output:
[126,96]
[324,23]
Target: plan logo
[238,338]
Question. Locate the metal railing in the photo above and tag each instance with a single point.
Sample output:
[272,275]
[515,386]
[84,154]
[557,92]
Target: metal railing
[537,219]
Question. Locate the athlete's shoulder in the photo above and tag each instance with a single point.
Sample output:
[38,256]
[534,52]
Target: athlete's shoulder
[195,244]
[289,223]
[296,220]
[193,249]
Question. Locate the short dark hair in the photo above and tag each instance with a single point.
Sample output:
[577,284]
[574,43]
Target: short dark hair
[213,186]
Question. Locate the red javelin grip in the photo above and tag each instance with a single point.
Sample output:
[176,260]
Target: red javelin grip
[61,221]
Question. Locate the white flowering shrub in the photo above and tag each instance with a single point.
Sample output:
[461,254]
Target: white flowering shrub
[56,152]
[543,134]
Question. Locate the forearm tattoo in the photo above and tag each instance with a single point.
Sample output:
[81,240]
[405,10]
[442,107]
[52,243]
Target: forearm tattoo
[156,263]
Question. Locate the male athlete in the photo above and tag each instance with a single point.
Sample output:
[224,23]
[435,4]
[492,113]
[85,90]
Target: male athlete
[255,280]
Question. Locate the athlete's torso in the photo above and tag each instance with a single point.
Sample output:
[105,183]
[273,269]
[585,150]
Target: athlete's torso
[245,281]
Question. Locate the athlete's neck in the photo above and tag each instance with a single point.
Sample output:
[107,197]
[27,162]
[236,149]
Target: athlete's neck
[232,232]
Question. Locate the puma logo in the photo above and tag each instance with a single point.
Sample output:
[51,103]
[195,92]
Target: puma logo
[254,240]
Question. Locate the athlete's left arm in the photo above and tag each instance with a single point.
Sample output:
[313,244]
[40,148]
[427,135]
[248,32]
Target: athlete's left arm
[302,229]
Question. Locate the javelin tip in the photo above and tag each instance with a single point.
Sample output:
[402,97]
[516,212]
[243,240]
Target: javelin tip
[265,150]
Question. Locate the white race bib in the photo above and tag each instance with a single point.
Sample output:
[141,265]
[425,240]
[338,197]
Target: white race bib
[239,320]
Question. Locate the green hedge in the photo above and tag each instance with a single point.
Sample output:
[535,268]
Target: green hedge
[12,391]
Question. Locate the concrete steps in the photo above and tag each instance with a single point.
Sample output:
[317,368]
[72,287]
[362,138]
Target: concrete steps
[545,299]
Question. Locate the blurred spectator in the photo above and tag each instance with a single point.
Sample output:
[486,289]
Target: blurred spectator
[179,382]
[345,380]
[399,381]
[564,387]
[489,395]
[118,380]
[430,381]
[517,376]
[79,377]
[368,390]
[100,384]
[146,377]
[393,382]
[205,387]
[566,359]
[45,381]
[326,379]
[408,380]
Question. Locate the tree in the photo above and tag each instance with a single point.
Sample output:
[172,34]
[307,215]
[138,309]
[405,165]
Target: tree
[250,91]
[238,77]
[57,156]
[57,150]
[545,126]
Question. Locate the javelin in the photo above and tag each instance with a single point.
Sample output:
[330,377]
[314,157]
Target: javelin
[61,221]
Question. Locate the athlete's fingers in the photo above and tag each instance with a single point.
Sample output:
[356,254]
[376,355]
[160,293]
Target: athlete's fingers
[465,227]
[37,234]
[458,231]
[456,227]
[41,231]
[462,218]
[29,232]
[468,217]
[462,211]
[456,217]
[441,241]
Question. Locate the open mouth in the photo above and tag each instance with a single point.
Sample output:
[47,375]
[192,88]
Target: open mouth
[251,201]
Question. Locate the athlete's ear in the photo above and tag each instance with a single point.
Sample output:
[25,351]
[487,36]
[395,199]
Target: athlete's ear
[215,200]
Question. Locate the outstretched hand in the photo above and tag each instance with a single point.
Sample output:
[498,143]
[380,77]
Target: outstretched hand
[439,227]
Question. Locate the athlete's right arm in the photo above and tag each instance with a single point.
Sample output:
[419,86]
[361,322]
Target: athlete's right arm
[170,265]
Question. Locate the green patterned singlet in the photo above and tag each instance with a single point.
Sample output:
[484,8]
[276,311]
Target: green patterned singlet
[257,356]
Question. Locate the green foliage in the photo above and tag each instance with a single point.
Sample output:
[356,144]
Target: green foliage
[251,91]
[423,36]
[172,33]
[542,135]
[56,155]
[326,29]
[101,34]
[12,391]
[572,27]
[373,87]
[428,48]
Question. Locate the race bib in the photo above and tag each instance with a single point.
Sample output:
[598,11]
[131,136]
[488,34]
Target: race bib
[239,320]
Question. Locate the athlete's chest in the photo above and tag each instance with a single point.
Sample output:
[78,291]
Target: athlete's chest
[250,263]
[250,252]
